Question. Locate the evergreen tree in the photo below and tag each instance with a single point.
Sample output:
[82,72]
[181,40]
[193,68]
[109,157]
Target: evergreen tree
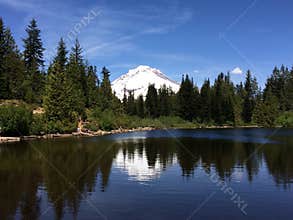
[3,78]
[124,101]
[76,77]
[164,101]
[174,108]
[11,66]
[62,98]
[54,99]
[284,74]
[240,91]
[276,84]
[229,100]
[249,99]
[266,112]
[238,104]
[92,86]
[34,63]
[152,101]
[140,107]
[106,90]
[77,69]
[223,100]
[131,107]
[289,91]
[205,102]
[61,58]
[217,100]
[116,105]
[196,103]
[186,99]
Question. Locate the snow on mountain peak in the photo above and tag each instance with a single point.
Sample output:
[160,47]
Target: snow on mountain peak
[138,80]
[142,67]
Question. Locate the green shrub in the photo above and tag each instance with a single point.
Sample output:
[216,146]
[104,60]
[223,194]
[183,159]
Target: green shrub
[54,127]
[109,120]
[15,120]
[92,126]
[38,126]
[265,114]
[104,120]
[176,122]
[285,119]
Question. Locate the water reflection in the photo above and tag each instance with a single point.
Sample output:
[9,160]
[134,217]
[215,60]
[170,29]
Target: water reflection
[71,169]
[137,166]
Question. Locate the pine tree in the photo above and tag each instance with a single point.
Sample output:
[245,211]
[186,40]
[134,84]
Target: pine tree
[284,74]
[187,99]
[13,67]
[196,103]
[92,86]
[223,100]
[54,99]
[289,91]
[76,78]
[266,111]
[174,109]
[276,84]
[229,100]
[116,106]
[3,78]
[77,70]
[249,99]
[140,107]
[205,102]
[164,101]
[131,107]
[106,90]
[240,91]
[217,100]
[151,102]
[124,101]
[34,63]
[238,103]
[62,97]
[61,58]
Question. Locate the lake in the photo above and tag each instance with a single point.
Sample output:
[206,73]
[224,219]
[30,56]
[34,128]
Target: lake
[168,174]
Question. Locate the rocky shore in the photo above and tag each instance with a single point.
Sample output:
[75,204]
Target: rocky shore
[88,133]
[82,133]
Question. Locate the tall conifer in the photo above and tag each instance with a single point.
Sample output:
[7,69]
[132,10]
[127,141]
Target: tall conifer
[151,101]
[34,62]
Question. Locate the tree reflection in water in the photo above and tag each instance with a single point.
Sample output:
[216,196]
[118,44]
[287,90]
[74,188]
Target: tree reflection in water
[70,169]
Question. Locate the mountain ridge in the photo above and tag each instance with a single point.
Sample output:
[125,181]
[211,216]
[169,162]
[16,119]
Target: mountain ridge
[138,80]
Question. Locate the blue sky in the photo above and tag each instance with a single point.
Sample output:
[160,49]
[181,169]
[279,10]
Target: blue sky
[199,37]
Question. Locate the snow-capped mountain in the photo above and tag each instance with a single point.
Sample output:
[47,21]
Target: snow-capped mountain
[139,79]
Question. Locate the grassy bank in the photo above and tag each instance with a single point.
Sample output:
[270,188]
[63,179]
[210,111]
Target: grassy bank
[19,120]
[108,120]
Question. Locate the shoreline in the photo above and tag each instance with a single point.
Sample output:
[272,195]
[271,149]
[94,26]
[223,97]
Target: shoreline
[99,133]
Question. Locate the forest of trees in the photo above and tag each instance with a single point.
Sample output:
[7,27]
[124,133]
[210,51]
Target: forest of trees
[70,90]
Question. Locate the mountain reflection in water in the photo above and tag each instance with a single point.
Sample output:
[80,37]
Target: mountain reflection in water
[61,174]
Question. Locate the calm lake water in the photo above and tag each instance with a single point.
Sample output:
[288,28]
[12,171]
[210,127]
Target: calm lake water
[175,174]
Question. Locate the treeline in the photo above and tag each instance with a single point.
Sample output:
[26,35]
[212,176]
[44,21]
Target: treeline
[69,90]
[66,89]
[223,102]
[24,77]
